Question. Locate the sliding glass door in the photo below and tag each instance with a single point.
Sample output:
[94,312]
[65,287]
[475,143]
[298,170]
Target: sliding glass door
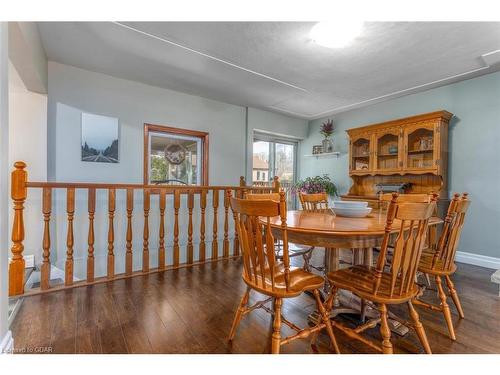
[274,157]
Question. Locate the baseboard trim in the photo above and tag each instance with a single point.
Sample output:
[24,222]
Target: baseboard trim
[7,344]
[478,260]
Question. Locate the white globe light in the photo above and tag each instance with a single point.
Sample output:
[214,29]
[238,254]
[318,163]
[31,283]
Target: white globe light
[336,34]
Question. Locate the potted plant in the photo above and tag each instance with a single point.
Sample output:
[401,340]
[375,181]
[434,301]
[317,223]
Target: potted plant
[317,184]
[327,130]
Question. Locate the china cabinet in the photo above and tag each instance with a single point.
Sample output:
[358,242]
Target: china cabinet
[411,152]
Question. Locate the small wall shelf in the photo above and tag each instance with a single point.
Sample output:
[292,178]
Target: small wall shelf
[324,154]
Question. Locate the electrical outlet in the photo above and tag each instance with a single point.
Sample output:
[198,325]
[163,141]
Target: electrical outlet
[29,261]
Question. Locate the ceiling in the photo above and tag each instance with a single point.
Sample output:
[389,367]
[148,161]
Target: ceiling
[274,65]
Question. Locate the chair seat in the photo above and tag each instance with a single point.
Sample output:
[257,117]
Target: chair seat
[300,281]
[359,280]
[426,266]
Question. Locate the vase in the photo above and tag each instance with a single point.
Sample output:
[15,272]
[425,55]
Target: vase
[327,145]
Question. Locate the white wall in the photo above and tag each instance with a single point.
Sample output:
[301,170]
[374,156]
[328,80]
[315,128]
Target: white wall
[73,91]
[27,53]
[28,142]
[4,186]
[28,127]
[269,122]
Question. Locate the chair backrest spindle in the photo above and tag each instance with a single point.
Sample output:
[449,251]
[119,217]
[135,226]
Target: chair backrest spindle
[452,230]
[253,224]
[412,220]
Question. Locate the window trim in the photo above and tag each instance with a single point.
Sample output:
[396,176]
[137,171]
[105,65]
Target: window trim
[148,128]
[273,139]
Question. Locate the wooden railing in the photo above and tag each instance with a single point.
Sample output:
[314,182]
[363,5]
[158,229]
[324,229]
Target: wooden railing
[219,208]
[285,185]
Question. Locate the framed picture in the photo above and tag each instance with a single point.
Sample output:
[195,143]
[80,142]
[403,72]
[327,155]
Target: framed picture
[99,138]
[317,149]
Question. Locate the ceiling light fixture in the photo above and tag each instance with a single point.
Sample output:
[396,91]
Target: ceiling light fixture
[336,34]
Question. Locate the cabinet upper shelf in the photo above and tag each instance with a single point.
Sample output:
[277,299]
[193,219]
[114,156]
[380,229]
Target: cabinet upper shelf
[411,145]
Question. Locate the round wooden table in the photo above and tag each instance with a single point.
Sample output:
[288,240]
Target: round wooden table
[325,229]
[328,230]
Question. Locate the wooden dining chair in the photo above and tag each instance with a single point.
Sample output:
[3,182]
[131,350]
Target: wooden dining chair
[395,284]
[263,273]
[293,250]
[314,202]
[441,262]
[385,200]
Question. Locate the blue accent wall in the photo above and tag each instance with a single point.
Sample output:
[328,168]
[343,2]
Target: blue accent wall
[474,144]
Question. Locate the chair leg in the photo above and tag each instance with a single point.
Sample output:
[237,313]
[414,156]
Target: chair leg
[385,331]
[363,310]
[307,259]
[325,315]
[328,305]
[419,328]
[427,279]
[330,299]
[239,314]
[276,337]
[454,296]
[445,307]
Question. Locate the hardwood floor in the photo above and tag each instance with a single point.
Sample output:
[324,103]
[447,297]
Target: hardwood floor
[190,311]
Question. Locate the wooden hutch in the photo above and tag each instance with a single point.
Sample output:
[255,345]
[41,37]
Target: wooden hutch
[412,151]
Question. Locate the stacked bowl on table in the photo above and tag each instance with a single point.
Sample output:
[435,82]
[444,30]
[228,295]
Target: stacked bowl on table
[351,208]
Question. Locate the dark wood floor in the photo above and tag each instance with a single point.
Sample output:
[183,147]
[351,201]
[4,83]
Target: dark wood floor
[190,311]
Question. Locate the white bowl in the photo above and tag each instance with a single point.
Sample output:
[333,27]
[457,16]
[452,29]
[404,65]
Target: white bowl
[352,211]
[350,204]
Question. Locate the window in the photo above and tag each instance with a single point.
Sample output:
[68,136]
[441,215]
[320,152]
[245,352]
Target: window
[275,156]
[175,156]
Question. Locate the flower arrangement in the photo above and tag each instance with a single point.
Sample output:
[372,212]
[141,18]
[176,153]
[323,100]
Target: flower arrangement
[317,184]
[327,128]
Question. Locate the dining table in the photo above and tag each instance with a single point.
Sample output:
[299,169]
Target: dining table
[361,235]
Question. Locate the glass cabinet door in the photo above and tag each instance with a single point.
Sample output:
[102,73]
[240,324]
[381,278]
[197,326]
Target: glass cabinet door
[419,148]
[361,155]
[387,152]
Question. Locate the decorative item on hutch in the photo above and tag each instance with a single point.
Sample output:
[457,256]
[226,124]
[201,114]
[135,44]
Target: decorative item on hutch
[410,152]
[327,131]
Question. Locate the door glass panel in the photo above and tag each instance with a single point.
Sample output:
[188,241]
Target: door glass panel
[270,159]
[387,152]
[361,154]
[284,157]
[260,163]
[420,148]
[174,159]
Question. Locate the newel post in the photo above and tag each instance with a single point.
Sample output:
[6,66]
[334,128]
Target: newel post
[243,183]
[276,184]
[18,194]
